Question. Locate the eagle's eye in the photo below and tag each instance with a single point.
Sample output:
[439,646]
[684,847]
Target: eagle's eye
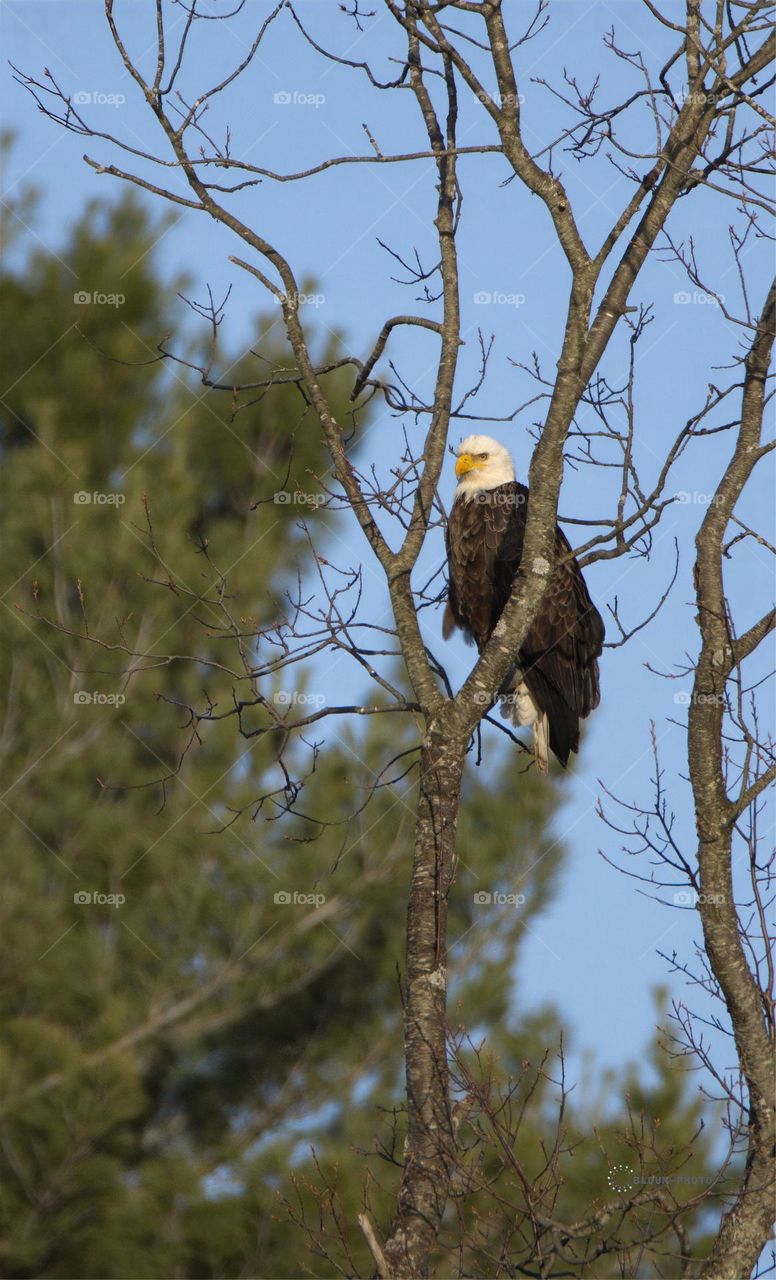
[484,456]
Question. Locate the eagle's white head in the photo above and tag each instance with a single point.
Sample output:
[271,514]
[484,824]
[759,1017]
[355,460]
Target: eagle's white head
[482,463]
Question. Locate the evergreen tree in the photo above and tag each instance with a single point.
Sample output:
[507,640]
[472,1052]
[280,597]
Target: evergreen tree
[174,1040]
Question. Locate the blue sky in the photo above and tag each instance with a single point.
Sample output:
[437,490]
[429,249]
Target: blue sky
[594,951]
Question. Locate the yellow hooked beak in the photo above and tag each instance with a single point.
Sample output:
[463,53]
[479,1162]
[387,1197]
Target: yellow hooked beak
[466,462]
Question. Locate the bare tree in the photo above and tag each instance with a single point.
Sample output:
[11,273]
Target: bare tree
[703,127]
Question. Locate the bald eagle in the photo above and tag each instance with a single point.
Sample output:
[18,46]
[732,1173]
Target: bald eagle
[554,683]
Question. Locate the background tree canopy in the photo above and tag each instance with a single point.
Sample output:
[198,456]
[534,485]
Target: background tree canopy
[190,1066]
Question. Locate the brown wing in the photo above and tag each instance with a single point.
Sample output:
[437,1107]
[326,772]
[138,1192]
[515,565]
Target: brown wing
[559,658]
[477,532]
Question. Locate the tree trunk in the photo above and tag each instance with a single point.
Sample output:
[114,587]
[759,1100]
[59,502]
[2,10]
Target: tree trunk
[745,1228]
[429,1155]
